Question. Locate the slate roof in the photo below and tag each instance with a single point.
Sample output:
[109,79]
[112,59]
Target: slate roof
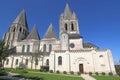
[89,45]
[67,12]
[21,19]
[50,33]
[33,34]
[74,36]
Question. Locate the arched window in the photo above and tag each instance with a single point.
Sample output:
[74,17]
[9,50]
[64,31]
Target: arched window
[7,61]
[14,29]
[28,48]
[16,62]
[72,27]
[66,27]
[59,60]
[20,29]
[23,48]
[50,47]
[44,48]
[26,62]
[47,62]
[36,62]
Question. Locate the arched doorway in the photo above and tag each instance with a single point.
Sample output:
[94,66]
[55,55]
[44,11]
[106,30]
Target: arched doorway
[81,68]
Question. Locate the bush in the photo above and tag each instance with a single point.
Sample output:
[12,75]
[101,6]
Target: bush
[96,73]
[103,73]
[41,70]
[64,72]
[78,73]
[71,72]
[118,73]
[51,71]
[117,67]
[90,73]
[44,69]
[110,73]
[58,72]
[2,72]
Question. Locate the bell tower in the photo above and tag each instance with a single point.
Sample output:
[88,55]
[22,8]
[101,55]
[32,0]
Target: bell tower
[69,28]
[18,30]
[68,22]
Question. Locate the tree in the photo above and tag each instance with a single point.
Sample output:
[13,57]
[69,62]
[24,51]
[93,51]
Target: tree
[117,67]
[4,51]
[35,57]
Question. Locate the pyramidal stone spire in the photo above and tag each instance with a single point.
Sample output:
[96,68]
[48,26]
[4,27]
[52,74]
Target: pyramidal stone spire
[21,19]
[74,16]
[33,34]
[50,33]
[67,12]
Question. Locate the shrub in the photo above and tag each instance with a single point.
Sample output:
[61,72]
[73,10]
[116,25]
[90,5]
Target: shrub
[41,70]
[44,69]
[58,72]
[64,72]
[78,73]
[90,73]
[118,73]
[110,73]
[96,73]
[2,72]
[71,72]
[117,67]
[51,71]
[103,73]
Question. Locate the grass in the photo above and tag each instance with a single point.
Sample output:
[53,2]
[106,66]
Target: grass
[48,76]
[36,74]
[103,77]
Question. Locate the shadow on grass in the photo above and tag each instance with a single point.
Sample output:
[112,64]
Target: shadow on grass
[33,78]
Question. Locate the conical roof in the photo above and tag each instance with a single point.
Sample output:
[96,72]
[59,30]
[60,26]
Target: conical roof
[74,16]
[21,19]
[50,33]
[33,34]
[67,12]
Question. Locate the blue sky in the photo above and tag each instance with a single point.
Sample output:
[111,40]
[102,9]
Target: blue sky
[99,20]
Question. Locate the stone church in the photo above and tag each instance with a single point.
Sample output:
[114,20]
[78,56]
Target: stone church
[68,52]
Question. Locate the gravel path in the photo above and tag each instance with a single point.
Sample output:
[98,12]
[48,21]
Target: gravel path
[87,77]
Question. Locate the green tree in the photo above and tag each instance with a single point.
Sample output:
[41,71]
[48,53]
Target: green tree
[36,57]
[4,51]
[117,67]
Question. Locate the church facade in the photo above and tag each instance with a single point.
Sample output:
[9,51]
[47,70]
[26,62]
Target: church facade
[68,53]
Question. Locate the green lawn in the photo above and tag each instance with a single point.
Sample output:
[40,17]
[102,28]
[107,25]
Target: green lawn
[106,77]
[48,76]
[27,73]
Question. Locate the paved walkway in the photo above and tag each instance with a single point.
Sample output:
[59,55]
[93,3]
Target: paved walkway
[87,77]
[12,74]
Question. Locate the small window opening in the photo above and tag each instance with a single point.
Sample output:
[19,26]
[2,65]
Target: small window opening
[66,27]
